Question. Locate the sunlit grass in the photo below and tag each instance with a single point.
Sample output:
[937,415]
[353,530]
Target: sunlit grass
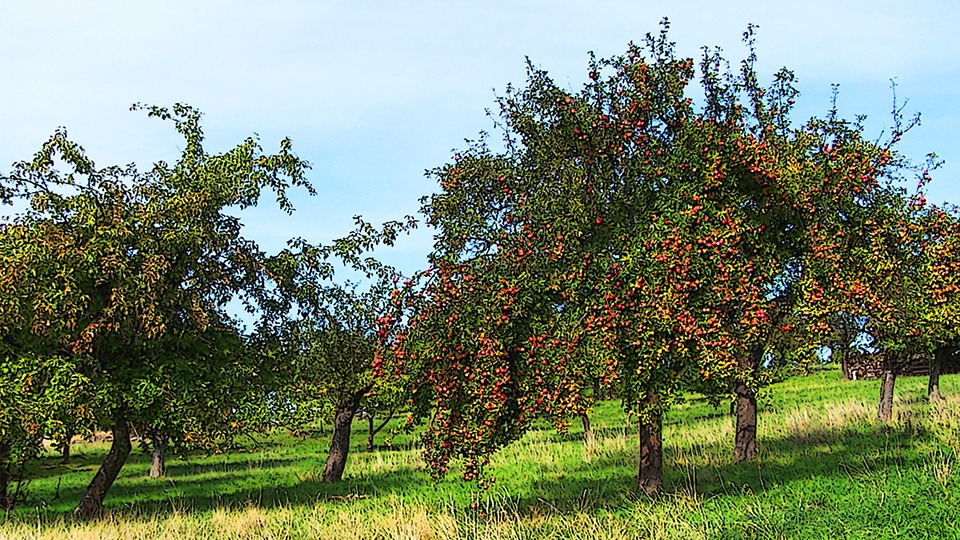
[826,468]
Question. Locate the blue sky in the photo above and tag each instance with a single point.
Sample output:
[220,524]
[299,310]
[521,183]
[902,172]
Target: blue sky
[374,93]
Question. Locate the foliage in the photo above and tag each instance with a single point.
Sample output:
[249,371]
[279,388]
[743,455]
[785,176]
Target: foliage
[331,333]
[42,398]
[126,275]
[629,235]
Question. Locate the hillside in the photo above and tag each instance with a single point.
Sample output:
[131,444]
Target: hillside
[826,469]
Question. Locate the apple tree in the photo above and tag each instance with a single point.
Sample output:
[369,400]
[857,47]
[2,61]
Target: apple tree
[130,276]
[336,333]
[940,268]
[625,231]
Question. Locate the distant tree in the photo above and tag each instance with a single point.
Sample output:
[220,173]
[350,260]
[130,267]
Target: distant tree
[176,412]
[845,335]
[332,341]
[40,395]
[897,277]
[891,292]
[129,277]
[940,268]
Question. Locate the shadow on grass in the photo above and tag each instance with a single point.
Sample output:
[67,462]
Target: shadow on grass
[606,481]
[821,453]
[89,460]
[843,454]
[205,485]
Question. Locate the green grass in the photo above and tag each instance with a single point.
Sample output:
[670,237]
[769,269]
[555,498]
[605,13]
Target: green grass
[825,469]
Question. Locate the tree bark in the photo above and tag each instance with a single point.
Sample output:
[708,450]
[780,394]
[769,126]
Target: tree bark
[379,428]
[370,433]
[158,466]
[91,505]
[889,378]
[5,502]
[374,430]
[588,436]
[650,476]
[745,439]
[64,446]
[845,363]
[340,445]
[936,366]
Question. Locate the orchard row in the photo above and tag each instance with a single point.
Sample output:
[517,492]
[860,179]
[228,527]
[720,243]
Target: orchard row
[636,239]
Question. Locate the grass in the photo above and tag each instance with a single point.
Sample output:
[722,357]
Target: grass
[825,469]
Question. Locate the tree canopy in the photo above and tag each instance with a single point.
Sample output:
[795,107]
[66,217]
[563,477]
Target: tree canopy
[125,277]
[634,234]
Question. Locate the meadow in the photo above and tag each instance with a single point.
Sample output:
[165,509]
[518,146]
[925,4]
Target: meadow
[826,468]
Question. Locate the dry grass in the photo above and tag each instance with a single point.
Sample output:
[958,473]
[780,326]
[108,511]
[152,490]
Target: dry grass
[872,464]
[401,522]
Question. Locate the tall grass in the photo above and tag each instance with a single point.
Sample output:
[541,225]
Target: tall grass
[826,469]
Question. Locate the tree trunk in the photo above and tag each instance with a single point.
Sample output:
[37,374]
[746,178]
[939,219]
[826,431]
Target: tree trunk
[650,476]
[92,503]
[64,446]
[158,458]
[889,378]
[845,363]
[936,366]
[370,433]
[588,436]
[5,502]
[65,451]
[340,446]
[745,439]
[374,430]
